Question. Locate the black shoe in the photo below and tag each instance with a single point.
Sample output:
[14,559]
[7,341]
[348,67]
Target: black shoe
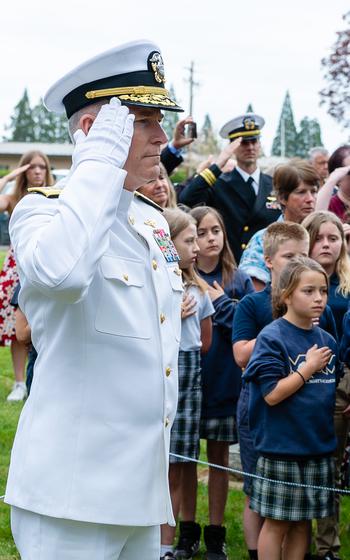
[330,556]
[189,539]
[214,537]
[168,556]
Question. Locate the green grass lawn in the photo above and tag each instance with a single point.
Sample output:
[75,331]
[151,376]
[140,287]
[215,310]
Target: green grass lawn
[9,413]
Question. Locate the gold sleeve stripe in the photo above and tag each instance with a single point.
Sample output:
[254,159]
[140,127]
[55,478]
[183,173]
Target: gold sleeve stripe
[244,133]
[208,176]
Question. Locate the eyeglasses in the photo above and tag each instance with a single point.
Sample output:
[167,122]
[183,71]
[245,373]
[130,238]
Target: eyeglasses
[38,165]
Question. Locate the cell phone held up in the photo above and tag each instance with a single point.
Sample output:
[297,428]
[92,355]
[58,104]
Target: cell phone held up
[191,130]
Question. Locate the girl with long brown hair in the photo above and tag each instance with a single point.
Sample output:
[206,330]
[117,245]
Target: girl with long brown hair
[33,171]
[196,332]
[221,377]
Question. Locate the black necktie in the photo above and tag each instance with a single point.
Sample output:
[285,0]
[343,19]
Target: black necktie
[250,190]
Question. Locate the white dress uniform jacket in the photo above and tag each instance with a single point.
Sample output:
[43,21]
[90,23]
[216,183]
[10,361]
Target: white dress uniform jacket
[104,307]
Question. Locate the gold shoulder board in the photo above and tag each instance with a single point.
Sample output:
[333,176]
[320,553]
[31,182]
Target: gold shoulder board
[45,191]
[148,201]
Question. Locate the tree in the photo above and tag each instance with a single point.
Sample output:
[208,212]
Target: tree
[21,127]
[336,96]
[49,127]
[37,124]
[170,117]
[308,137]
[284,143]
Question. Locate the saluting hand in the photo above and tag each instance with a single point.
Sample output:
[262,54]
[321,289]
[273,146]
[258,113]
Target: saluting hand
[109,137]
[13,174]
[228,152]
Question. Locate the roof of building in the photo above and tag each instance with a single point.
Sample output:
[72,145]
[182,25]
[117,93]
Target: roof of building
[19,148]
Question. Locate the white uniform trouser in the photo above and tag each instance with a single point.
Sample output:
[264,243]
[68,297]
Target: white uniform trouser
[39,537]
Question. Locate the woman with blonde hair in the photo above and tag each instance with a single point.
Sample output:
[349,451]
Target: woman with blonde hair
[161,191]
[33,171]
[328,247]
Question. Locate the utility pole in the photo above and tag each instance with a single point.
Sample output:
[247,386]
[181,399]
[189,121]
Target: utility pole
[192,84]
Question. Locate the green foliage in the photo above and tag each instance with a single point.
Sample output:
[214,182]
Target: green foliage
[36,124]
[284,143]
[289,141]
[336,95]
[308,137]
[9,413]
[179,175]
[49,127]
[21,127]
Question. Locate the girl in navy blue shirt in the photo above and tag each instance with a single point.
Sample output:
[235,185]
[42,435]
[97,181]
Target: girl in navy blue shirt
[329,248]
[292,374]
[221,377]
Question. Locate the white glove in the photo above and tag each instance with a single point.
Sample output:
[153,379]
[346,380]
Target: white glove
[109,137]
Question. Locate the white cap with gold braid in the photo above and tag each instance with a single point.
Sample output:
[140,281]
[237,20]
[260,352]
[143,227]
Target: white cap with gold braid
[133,72]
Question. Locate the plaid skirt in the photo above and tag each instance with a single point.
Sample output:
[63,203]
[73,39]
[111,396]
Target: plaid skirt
[279,501]
[184,436]
[219,429]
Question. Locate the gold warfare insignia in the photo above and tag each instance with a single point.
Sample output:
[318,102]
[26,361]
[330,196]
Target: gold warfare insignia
[249,124]
[157,66]
[149,99]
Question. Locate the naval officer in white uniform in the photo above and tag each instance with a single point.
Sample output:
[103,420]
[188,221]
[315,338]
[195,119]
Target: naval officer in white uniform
[102,290]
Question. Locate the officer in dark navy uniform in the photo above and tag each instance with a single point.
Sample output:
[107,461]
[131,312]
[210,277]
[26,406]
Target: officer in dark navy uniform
[243,196]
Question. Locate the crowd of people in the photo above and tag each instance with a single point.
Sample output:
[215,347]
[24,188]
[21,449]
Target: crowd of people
[254,266]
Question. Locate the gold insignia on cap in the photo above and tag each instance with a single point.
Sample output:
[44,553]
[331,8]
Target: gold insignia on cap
[244,133]
[133,90]
[149,99]
[249,124]
[157,66]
